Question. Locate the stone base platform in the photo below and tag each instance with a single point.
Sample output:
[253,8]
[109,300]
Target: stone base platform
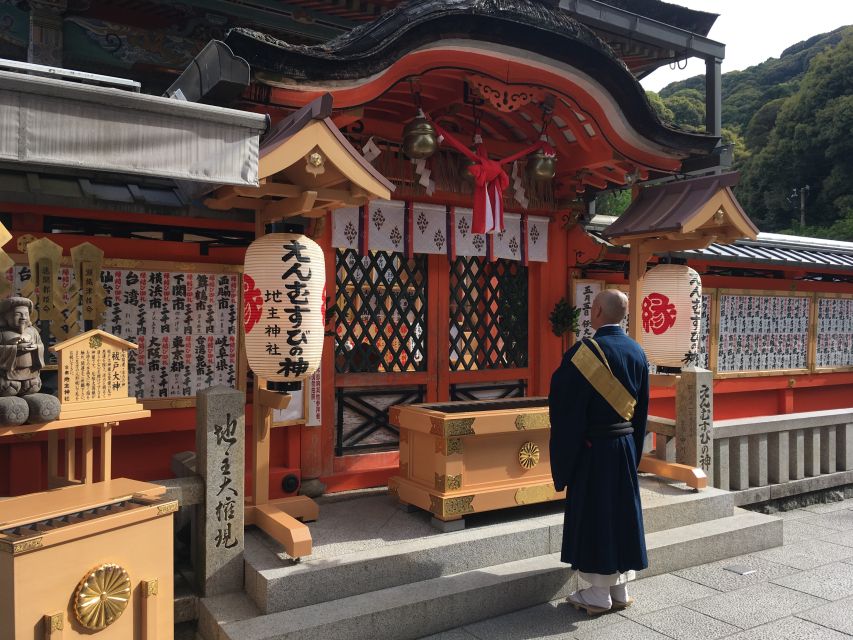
[379,572]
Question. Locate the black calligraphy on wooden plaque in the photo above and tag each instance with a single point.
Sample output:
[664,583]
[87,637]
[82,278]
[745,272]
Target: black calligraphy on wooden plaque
[763,333]
[834,344]
[184,323]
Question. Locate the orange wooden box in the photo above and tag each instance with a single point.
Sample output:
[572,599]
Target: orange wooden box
[458,458]
[51,544]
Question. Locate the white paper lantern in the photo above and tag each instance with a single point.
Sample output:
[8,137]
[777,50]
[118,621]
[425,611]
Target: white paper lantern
[284,281]
[671,315]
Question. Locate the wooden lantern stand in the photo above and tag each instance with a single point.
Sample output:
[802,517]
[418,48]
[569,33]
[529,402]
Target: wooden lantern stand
[280,519]
[702,211]
[306,169]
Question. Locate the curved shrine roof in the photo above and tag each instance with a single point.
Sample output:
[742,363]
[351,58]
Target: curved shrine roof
[540,28]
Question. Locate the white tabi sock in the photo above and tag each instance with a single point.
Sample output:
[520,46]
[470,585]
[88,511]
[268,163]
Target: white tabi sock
[598,597]
[619,593]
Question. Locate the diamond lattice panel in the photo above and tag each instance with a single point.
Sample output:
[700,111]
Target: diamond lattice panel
[488,314]
[381,312]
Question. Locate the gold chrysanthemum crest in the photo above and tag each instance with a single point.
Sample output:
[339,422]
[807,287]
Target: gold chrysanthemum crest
[102,596]
[528,455]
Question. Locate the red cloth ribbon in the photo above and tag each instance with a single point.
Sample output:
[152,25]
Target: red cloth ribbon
[490,181]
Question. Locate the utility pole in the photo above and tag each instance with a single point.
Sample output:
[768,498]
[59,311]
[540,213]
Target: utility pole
[803,192]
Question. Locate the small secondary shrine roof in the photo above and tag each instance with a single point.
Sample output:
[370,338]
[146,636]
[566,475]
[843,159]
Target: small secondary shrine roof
[306,167]
[695,209]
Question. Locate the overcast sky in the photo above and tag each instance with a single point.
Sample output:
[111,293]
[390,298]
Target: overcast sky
[754,30]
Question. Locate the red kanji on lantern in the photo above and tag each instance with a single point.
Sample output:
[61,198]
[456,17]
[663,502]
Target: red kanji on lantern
[253,303]
[658,314]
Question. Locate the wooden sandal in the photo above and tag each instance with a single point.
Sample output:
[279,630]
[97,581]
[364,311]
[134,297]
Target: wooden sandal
[577,601]
[621,606]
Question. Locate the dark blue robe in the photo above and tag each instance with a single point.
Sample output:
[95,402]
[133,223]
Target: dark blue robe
[603,531]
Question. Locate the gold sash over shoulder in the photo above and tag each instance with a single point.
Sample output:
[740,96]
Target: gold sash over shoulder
[599,375]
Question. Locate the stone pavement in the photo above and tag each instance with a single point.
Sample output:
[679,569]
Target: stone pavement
[802,590]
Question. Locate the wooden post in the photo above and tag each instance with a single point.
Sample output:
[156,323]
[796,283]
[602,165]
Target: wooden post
[107,451]
[88,456]
[69,454]
[638,260]
[261,423]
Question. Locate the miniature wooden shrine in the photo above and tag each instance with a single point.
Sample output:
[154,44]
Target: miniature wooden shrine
[93,393]
[84,561]
[88,557]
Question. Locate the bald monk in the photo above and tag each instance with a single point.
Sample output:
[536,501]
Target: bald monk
[598,405]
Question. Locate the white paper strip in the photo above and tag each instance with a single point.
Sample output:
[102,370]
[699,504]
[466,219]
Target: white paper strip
[345,228]
[537,239]
[467,243]
[387,225]
[429,228]
[508,242]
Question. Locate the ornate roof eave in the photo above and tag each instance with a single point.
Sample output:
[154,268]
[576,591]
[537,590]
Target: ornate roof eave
[534,26]
[306,168]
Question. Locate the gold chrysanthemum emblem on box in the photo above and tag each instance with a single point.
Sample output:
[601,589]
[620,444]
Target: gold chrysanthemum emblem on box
[102,596]
[528,455]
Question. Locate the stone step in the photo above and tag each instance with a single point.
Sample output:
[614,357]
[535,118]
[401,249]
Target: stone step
[743,532]
[278,585]
[429,606]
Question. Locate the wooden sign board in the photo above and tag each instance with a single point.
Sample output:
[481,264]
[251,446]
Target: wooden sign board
[93,374]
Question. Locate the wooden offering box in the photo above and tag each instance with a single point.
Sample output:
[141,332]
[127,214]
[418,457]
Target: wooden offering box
[87,561]
[458,458]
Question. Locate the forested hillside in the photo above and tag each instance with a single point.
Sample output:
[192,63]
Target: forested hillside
[791,121]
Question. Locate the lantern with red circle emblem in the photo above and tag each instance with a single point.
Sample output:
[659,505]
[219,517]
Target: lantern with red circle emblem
[283,306]
[671,315]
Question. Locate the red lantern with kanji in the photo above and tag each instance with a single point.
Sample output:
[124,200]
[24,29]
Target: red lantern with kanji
[671,315]
[283,306]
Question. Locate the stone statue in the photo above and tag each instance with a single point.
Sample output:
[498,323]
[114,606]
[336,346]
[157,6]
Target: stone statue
[21,362]
[21,349]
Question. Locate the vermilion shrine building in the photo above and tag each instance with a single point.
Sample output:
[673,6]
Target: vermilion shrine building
[422,308]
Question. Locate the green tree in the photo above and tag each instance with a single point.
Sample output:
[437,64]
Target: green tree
[613,203]
[758,130]
[663,112]
[810,144]
[688,107]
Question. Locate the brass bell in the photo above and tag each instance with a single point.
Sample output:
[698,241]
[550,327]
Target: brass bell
[540,166]
[419,140]
[466,163]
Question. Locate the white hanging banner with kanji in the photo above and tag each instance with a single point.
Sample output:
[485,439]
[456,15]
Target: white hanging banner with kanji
[508,241]
[537,239]
[429,228]
[345,231]
[386,228]
[386,221]
[467,243]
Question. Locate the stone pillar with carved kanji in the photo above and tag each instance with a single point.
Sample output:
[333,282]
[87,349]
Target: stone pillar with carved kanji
[694,422]
[220,461]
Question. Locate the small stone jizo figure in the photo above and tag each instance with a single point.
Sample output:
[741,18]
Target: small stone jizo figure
[21,349]
[21,362]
